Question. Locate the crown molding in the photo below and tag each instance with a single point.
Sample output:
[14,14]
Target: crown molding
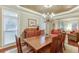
[69,14]
[20,8]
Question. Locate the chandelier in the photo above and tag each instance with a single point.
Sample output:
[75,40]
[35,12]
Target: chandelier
[48,6]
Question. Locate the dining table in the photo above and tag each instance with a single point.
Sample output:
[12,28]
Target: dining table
[39,42]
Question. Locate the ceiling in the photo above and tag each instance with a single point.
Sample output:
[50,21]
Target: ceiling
[53,9]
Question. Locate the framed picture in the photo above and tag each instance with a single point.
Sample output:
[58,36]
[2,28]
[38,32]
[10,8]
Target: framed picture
[32,22]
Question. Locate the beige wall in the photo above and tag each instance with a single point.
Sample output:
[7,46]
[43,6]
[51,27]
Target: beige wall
[66,21]
[23,17]
[0,27]
[24,20]
[55,22]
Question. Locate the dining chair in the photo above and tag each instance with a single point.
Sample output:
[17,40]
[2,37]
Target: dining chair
[24,36]
[18,44]
[63,39]
[22,48]
[56,45]
[60,47]
[77,34]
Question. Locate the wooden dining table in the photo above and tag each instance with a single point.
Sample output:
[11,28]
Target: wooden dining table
[39,42]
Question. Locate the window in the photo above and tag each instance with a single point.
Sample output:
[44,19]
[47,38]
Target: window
[10,26]
[69,26]
[75,25]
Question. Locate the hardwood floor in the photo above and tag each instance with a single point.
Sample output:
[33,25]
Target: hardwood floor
[2,50]
[69,49]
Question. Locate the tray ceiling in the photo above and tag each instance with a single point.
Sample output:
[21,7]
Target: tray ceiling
[53,9]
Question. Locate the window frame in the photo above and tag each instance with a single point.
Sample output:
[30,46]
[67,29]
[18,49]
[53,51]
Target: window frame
[4,25]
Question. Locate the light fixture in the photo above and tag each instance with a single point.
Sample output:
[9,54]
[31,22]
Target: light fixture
[48,6]
[44,15]
[48,15]
[52,14]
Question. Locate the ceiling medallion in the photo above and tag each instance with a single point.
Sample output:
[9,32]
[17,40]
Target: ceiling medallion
[48,6]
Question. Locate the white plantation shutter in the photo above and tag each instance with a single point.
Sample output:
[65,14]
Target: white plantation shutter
[10,22]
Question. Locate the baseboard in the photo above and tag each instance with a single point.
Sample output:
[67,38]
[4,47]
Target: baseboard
[2,50]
